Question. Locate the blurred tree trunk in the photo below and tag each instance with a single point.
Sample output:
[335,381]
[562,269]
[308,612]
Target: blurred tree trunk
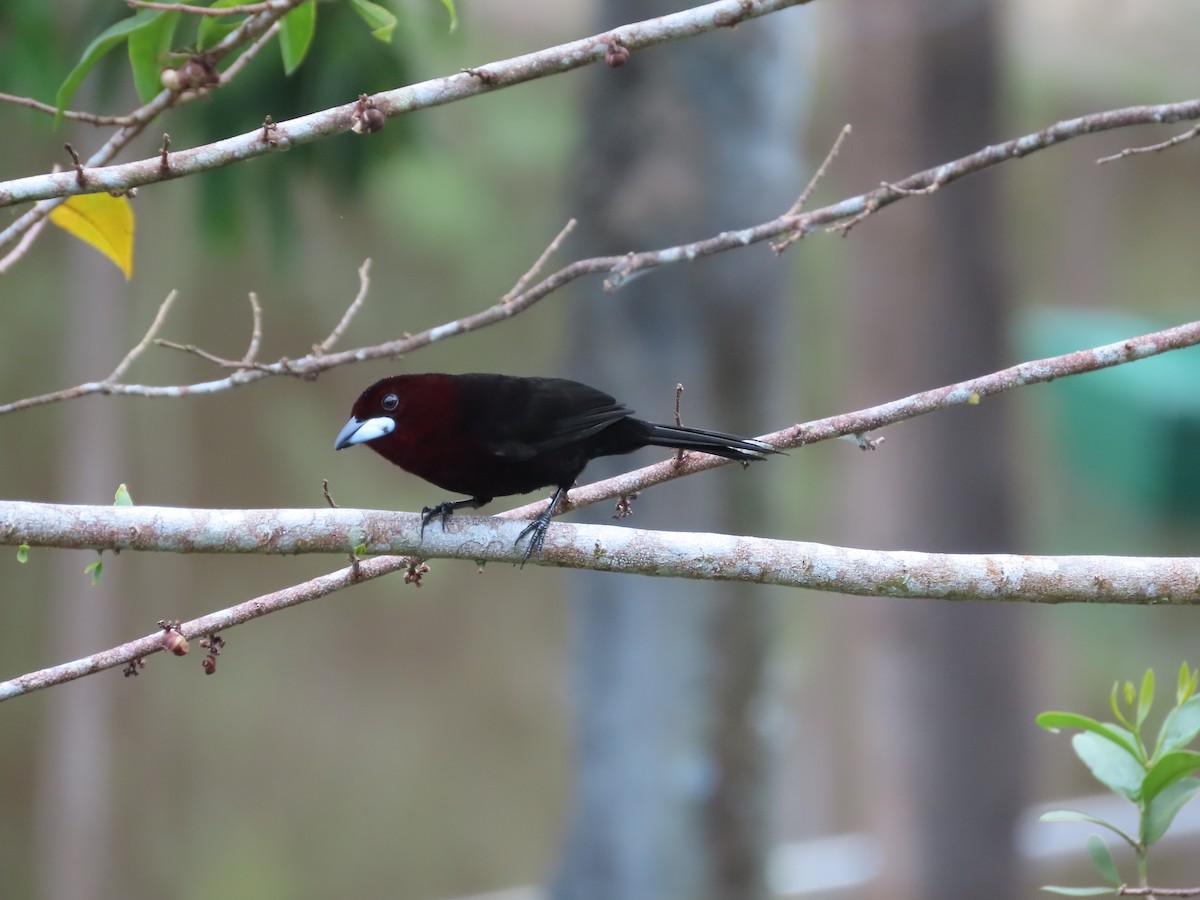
[670,682]
[928,305]
[75,824]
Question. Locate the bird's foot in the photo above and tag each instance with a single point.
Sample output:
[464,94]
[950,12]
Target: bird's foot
[442,511]
[536,531]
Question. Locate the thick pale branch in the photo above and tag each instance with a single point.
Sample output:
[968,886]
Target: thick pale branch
[1104,579]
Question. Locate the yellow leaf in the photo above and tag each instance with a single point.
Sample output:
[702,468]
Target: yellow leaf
[104,221]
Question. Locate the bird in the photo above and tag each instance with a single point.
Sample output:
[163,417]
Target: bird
[487,435]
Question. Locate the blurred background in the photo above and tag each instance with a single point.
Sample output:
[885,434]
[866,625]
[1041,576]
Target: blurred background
[522,733]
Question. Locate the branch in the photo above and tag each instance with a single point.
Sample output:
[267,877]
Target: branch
[206,625]
[248,9]
[608,548]
[90,118]
[439,91]
[857,424]
[619,269]
[254,30]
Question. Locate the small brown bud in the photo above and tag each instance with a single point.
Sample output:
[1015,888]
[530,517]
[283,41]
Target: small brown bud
[616,55]
[210,665]
[367,119]
[175,642]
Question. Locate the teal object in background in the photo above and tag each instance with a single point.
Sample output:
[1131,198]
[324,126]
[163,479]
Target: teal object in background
[1133,430]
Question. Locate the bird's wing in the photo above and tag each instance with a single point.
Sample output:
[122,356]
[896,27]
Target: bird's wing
[557,413]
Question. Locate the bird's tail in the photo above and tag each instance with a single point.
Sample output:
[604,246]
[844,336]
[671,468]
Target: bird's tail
[717,443]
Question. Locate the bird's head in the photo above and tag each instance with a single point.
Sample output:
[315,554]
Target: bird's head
[374,414]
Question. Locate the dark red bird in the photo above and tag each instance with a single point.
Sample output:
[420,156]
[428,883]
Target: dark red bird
[493,435]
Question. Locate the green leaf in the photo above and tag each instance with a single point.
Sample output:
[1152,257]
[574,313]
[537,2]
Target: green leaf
[1074,815]
[1168,770]
[360,550]
[1163,808]
[449,4]
[1180,727]
[1102,860]
[380,20]
[122,498]
[147,48]
[1077,892]
[1145,697]
[1181,684]
[23,553]
[213,29]
[1112,765]
[98,49]
[1054,721]
[296,31]
[95,568]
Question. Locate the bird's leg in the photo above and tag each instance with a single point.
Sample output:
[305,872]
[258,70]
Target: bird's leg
[445,510]
[537,528]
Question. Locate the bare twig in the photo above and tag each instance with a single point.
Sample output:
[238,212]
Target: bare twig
[532,273]
[1153,148]
[210,624]
[364,284]
[1126,890]
[90,118]
[246,10]
[256,330]
[80,178]
[27,239]
[787,240]
[619,269]
[678,418]
[244,58]
[159,318]
[221,361]
[864,421]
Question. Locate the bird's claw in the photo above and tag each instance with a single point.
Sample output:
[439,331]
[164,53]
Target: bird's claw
[429,513]
[536,531]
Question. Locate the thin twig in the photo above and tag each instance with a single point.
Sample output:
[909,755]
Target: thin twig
[204,354]
[1153,148]
[551,249]
[90,118]
[23,246]
[256,331]
[786,241]
[244,58]
[1126,890]
[619,269]
[246,10]
[865,421]
[678,419]
[159,318]
[364,284]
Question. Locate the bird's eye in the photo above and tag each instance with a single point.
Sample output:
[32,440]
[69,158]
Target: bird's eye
[390,402]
